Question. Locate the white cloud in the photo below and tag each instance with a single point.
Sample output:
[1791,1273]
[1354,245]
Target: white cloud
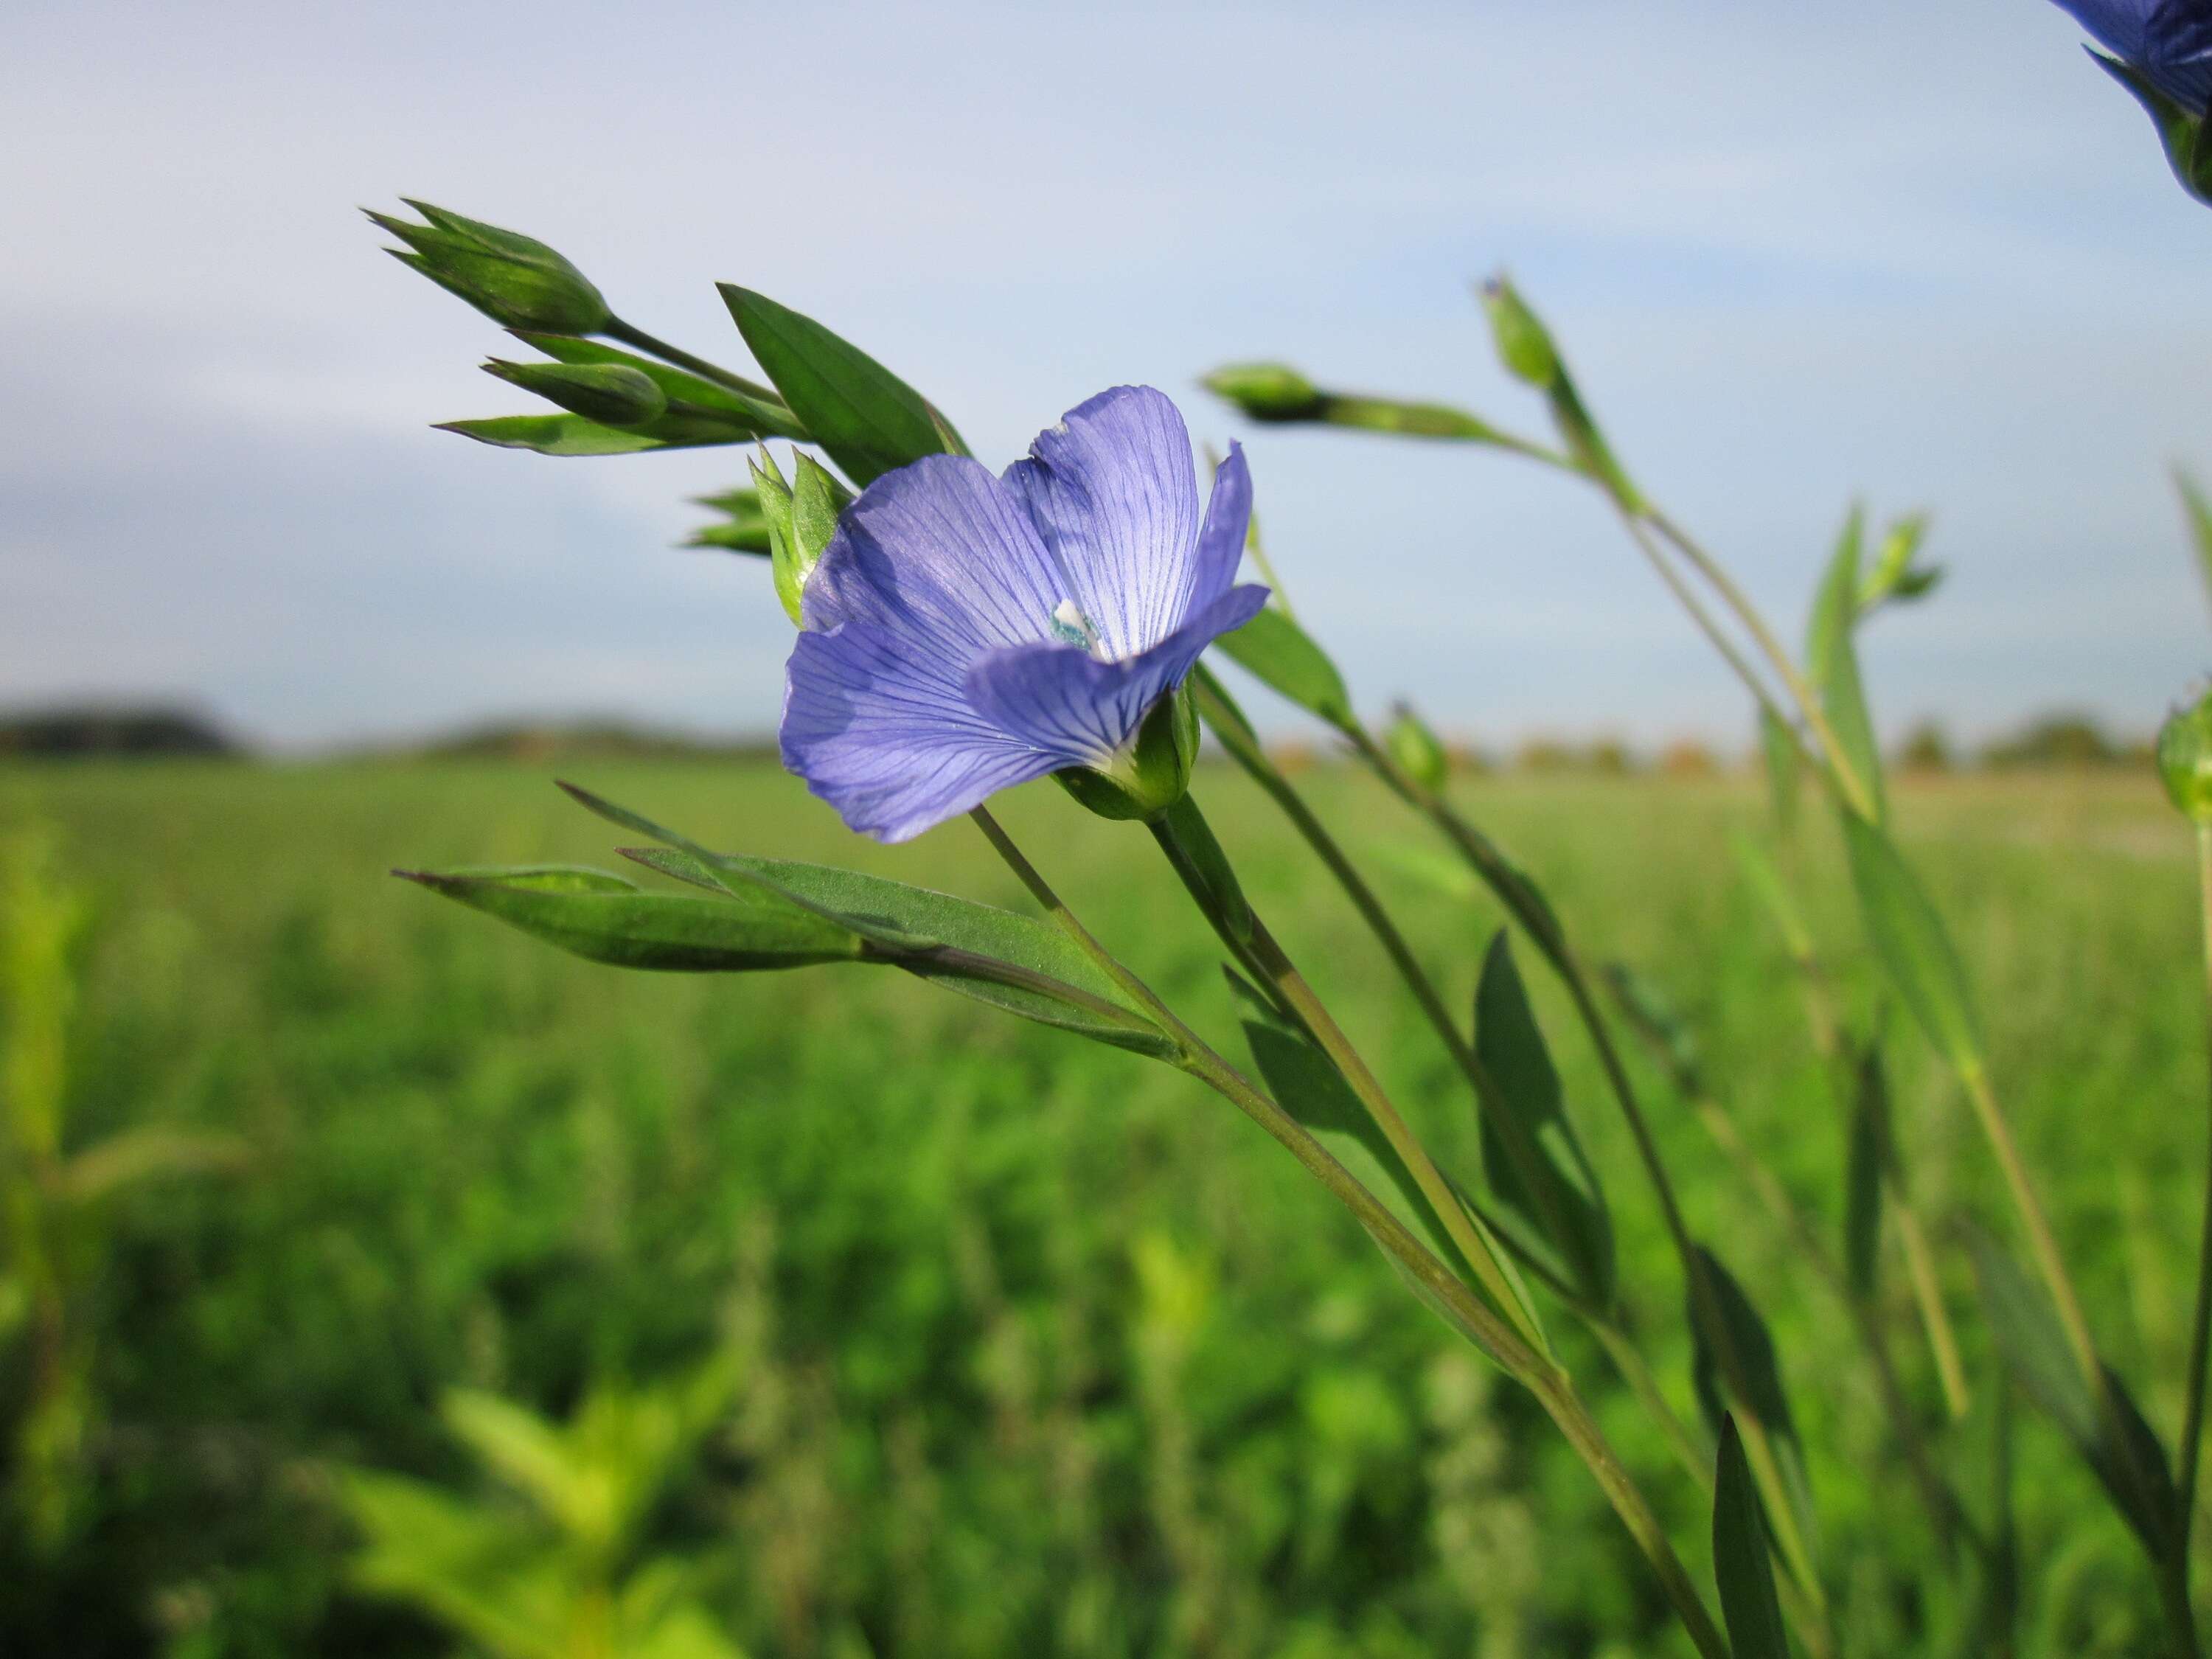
[1797,253]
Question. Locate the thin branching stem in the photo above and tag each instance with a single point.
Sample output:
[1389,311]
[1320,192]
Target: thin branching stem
[631,335]
[1553,1389]
[1544,928]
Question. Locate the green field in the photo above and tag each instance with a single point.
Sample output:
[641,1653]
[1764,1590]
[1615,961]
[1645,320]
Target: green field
[1043,1349]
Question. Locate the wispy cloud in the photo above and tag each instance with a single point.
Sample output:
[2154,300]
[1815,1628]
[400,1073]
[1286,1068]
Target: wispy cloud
[1926,253]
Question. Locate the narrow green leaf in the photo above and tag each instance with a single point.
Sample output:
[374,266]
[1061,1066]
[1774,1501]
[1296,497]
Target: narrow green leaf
[1742,1566]
[1306,1084]
[1911,942]
[1773,892]
[1547,1195]
[604,918]
[733,536]
[867,418]
[1281,655]
[1764,1395]
[1831,660]
[572,435]
[1862,1181]
[2127,1458]
[965,946]
[816,499]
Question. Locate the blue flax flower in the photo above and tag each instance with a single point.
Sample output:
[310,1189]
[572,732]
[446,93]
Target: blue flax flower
[2167,42]
[965,633]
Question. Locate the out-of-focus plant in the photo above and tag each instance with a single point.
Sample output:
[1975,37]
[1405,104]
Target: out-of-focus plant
[56,1192]
[556,1561]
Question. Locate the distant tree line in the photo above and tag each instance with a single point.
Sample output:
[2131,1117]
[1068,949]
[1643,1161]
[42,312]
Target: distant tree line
[2054,741]
[64,733]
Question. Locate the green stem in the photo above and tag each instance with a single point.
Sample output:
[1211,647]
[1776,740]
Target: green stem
[2192,1429]
[1519,899]
[1512,1134]
[1551,1385]
[1188,843]
[1826,1023]
[1854,788]
[630,335]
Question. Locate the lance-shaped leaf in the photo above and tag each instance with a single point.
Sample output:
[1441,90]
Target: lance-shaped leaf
[1773,892]
[867,418]
[1914,946]
[1831,660]
[1759,1367]
[1307,1085]
[606,918]
[1867,1159]
[1742,1566]
[2123,1451]
[1011,961]
[572,435]
[1548,1198]
[759,408]
[744,527]
[1282,656]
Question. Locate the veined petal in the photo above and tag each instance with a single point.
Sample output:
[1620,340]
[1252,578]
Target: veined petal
[1061,700]
[2121,26]
[1113,496]
[886,733]
[2181,51]
[942,552]
[1228,521]
[2170,41]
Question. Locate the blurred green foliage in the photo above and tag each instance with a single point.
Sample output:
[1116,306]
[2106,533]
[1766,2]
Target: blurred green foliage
[1015,1345]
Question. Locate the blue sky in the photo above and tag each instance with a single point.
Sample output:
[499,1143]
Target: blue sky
[1922,253]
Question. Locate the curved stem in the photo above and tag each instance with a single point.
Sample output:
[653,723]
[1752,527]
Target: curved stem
[1267,958]
[1514,892]
[1826,1023]
[1854,788]
[1551,1387]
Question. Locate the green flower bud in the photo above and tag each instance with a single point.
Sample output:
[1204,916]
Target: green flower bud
[1153,773]
[1524,345]
[1895,578]
[1417,751]
[2185,758]
[1268,392]
[514,280]
[613,394]
[774,497]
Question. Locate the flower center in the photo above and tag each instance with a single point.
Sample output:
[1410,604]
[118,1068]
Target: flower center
[1071,627]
